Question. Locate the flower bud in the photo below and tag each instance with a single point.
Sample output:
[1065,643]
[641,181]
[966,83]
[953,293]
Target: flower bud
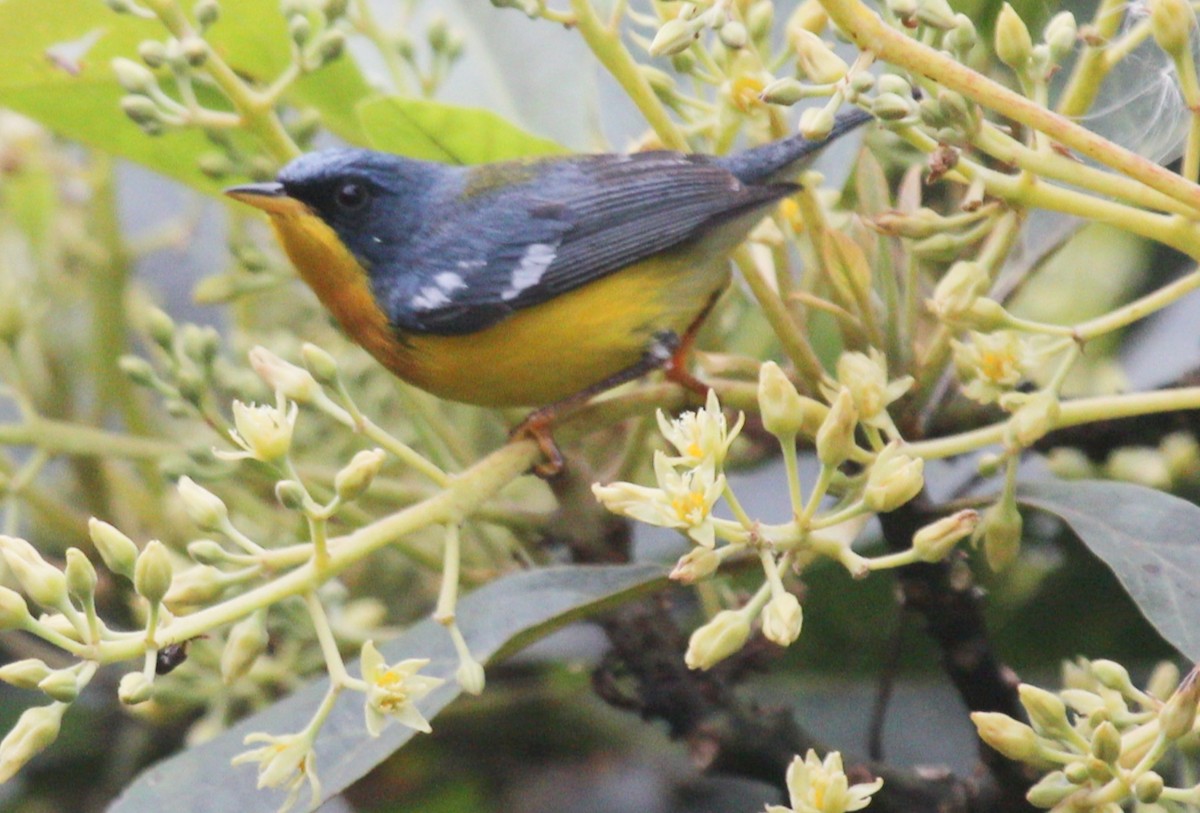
[1014,740]
[153,53]
[152,573]
[207,552]
[470,676]
[61,685]
[247,640]
[1178,714]
[14,613]
[892,107]
[196,585]
[133,77]
[203,507]
[320,363]
[300,30]
[81,576]
[34,732]
[1060,35]
[39,580]
[352,481]
[894,83]
[206,12]
[936,14]
[1046,709]
[134,688]
[673,37]
[1148,788]
[725,634]
[1106,743]
[1000,531]
[760,18]
[1171,23]
[1050,790]
[195,51]
[958,290]
[785,91]
[816,123]
[294,383]
[116,549]
[1077,772]
[1163,680]
[1013,44]
[698,563]
[331,45]
[780,404]
[782,619]
[962,38]
[1037,414]
[291,495]
[835,438]
[24,674]
[733,35]
[893,479]
[817,60]
[138,370]
[1112,675]
[934,542]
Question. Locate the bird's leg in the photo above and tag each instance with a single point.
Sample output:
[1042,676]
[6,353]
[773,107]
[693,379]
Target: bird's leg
[536,426]
[676,368]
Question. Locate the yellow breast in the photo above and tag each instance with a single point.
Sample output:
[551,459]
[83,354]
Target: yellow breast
[534,357]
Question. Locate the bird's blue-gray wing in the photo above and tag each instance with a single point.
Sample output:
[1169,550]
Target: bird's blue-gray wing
[573,222]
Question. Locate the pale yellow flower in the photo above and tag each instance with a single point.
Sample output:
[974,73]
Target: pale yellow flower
[991,364]
[702,436]
[263,432]
[683,500]
[816,786]
[865,375]
[392,691]
[285,761]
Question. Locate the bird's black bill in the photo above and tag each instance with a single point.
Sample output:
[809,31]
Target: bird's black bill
[270,189]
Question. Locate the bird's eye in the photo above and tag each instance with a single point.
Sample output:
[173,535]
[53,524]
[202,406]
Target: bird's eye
[352,196]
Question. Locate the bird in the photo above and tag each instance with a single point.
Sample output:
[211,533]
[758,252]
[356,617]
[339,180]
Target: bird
[535,282]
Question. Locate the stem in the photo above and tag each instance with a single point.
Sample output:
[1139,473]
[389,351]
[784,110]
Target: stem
[1139,308]
[447,602]
[605,43]
[871,34]
[329,650]
[1072,413]
[64,437]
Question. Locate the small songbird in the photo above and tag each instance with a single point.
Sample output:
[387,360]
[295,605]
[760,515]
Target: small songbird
[536,282]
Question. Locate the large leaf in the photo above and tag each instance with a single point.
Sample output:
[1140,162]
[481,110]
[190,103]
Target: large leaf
[77,95]
[1149,539]
[433,131]
[496,620]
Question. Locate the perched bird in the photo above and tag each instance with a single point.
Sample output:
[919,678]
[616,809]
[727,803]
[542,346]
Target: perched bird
[536,282]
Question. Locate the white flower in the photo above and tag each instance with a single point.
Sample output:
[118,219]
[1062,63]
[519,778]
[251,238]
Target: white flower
[702,436]
[264,432]
[284,762]
[286,379]
[684,500]
[393,690]
[822,787]
[991,364]
[865,375]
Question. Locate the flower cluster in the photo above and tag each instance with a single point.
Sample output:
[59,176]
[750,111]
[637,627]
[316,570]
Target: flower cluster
[1099,739]
[691,483]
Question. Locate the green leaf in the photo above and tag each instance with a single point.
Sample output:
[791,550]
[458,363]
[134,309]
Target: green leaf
[433,131]
[497,620]
[55,67]
[1149,539]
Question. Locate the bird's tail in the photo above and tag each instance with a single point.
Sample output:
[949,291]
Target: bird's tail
[769,161]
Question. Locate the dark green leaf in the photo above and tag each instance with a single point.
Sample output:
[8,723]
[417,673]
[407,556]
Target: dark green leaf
[497,620]
[433,131]
[1149,539]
